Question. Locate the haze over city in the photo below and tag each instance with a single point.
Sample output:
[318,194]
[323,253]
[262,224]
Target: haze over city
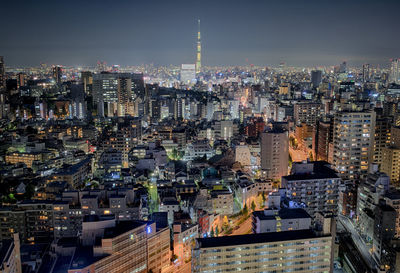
[300,33]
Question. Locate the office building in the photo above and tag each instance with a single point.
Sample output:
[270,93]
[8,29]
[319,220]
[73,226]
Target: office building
[285,251]
[115,91]
[365,73]
[57,74]
[353,143]
[21,80]
[395,71]
[274,153]
[126,246]
[87,80]
[316,78]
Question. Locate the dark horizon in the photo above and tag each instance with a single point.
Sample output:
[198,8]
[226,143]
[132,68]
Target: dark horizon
[315,33]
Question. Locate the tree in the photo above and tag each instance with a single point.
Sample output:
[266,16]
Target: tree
[216,231]
[311,156]
[263,199]
[245,210]
[212,232]
[253,206]
[174,257]
[175,155]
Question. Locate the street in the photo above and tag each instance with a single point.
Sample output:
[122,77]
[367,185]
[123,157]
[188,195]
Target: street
[358,241]
[244,228]
[298,155]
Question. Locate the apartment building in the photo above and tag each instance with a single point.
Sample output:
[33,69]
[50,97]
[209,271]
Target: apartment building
[297,251]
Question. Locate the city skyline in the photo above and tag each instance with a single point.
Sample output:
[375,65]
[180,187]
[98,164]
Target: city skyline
[199,136]
[233,33]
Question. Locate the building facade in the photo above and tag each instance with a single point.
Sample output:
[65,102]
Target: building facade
[288,251]
[353,143]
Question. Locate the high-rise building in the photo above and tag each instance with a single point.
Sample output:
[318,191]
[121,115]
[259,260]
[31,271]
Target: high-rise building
[308,112]
[116,90]
[365,73]
[188,73]
[198,54]
[274,153]
[2,73]
[391,163]
[343,67]
[369,192]
[225,129]
[323,140]
[381,137]
[353,143]
[127,136]
[124,91]
[4,106]
[314,185]
[264,252]
[384,231]
[57,74]
[126,246]
[316,78]
[395,136]
[395,71]
[87,80]
[101,66]
[21,79]
[390,160]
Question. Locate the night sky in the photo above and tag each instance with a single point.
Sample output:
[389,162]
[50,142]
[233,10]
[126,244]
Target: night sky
[266,32]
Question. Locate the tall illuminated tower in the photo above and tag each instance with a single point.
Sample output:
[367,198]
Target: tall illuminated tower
[198,59]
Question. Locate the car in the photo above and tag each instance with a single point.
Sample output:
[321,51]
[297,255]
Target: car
[337,265]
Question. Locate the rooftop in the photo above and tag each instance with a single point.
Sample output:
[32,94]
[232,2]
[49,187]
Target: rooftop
[123,227]
[83,257]
[4,247]
[320,170]
[256,238]
[284,213]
